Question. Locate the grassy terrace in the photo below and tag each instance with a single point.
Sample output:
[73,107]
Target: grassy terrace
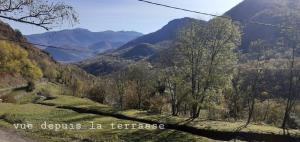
[37,114]
[26,112]
[23,111]
[198,123]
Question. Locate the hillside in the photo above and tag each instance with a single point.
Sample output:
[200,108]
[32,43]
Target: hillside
[92,43]
[166,33]
[19,55]
[264,11]
[24,62]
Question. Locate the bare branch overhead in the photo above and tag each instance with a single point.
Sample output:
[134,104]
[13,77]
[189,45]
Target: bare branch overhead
[42,13]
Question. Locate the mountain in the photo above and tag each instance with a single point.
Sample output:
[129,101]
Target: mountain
[147,47]
[150,44]
[167,33]
[91,43]
[140,51]
[103,46]
[264,11]
[154,45]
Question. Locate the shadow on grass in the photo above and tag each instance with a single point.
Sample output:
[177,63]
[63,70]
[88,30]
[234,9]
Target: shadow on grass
[158,136]
[20,89]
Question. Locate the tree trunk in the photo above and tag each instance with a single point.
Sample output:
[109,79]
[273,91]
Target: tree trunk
[121,102]
[174,111]
[287,114]
[194,111]
[251,109]
[139,101]
[267,110]
[290,98]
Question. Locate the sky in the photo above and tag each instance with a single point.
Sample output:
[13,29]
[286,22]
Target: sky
[132,15]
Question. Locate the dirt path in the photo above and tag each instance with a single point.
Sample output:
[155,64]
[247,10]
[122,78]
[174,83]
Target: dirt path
[11,136]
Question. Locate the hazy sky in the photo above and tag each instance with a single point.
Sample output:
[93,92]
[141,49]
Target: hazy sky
[132,15]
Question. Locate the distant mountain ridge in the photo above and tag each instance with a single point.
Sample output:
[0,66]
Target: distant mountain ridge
[90,42]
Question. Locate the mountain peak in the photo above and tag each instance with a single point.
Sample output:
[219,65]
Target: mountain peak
[166,33]
[80,29]
[184,19]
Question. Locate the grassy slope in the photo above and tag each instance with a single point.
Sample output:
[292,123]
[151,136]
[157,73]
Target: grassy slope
[36,114]
[205,124]
[213,125]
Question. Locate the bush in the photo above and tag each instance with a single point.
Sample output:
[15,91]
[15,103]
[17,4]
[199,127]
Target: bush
[275,115]
[294,121]
[30,86]
[97,93]
[46,93]
[157,104]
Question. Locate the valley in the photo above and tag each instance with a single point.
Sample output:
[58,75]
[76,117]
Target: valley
[232,77]
[82,43]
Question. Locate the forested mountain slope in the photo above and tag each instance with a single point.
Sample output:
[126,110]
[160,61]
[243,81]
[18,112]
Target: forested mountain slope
[272,12]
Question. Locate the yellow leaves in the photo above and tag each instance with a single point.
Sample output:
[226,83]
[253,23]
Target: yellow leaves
[14,59]
[32,70]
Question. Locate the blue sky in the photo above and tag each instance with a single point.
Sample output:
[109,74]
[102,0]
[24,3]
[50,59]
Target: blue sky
[132,15]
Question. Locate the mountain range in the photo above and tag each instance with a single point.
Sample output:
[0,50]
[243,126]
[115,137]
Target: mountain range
[148,47]
[248,14]
[108,51]
[85,43]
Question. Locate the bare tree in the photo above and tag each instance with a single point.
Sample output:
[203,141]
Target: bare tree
[292,38]
[254,76]
[176,87]
[41,13]
[121,83]
[209,57]
[235,96]
[140,75]
[292,94]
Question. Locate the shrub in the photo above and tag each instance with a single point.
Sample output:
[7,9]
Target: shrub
[30,86]
[97,93]
[157,104]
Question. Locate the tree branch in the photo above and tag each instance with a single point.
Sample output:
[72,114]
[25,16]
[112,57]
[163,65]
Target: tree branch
[26,22]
